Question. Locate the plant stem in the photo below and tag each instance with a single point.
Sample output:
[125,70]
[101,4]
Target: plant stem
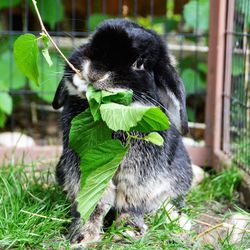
[209,230]
[43,216]
[52,41]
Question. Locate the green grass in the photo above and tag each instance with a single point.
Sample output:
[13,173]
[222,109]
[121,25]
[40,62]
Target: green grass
[31,192]
[219,187]
[241,150]
[34,214]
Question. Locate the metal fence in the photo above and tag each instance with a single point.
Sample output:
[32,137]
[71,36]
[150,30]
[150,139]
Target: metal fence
[228,95]
[183,24]
[236,140]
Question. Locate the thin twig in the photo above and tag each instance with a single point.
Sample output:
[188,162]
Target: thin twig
[213,227]
[202,222]
[210,229]
[210,216]
[227,225]
[43,216]
[219,219]
[52,41]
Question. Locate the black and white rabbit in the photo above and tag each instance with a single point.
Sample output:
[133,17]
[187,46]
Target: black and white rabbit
[122,54]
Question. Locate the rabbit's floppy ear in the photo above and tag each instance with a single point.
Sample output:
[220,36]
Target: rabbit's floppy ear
[171,93]
[60,95]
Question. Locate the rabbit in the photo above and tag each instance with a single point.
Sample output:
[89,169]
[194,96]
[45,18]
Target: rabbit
[123,55]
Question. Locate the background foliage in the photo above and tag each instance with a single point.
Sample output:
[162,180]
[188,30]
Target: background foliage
[192,70]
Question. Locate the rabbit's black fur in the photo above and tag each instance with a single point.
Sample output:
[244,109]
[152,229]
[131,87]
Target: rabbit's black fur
[122,54]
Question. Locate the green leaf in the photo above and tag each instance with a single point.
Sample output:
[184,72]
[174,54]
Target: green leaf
[45,40]
[94,98]
[237,62]
[45,50]
[6,104]
[3,118]
[155,138]
[145,119]
[49,78]
[45,53]
[196,14]
[192,81]
[8,3]
[52,12]
[26,56]
[11,77]
[95,19]
[98,166]
[120,117]
[202,67]
[85,133]
[99,155]
[191,114]
[121,96]
[153,119]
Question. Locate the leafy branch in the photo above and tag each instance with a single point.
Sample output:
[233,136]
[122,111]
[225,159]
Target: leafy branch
[26,51]
[45,32]
[100,155]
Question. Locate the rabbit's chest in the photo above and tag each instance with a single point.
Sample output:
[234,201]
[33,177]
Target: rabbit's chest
[140,183]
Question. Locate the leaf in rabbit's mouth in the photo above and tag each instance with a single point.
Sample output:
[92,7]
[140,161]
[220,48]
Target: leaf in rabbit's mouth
[91,138]
[127,118]
[97,97]
[94,98]
[121,96]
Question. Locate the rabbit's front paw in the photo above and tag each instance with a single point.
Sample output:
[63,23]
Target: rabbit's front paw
[79,233]
[136,226]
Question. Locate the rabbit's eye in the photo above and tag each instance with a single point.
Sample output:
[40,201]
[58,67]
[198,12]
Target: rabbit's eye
[138,64]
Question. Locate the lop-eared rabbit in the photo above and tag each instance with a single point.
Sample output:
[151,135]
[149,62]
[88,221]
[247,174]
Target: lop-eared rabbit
[124,55]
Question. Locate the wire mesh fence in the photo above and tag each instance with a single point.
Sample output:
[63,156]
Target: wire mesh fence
[239,95]
[25,107]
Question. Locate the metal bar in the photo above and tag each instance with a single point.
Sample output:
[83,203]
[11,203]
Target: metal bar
[196,80]
[238,33]
[88,14]
[83,34]
[217,27]
[151,12]
[135,7]
[104,7]
[227,80]
[120,4]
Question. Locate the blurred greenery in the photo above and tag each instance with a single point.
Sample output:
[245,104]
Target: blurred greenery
[192,72]
[49,78]
[242,7]
[8,3]
[196,15]
[96,18]
[51,13]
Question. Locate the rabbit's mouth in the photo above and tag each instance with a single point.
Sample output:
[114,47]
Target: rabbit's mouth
[79,86]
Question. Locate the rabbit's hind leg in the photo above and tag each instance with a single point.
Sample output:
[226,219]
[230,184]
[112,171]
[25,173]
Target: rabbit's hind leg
[90,231]
[134,222]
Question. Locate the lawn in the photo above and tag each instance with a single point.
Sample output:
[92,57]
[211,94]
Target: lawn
[34,214]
